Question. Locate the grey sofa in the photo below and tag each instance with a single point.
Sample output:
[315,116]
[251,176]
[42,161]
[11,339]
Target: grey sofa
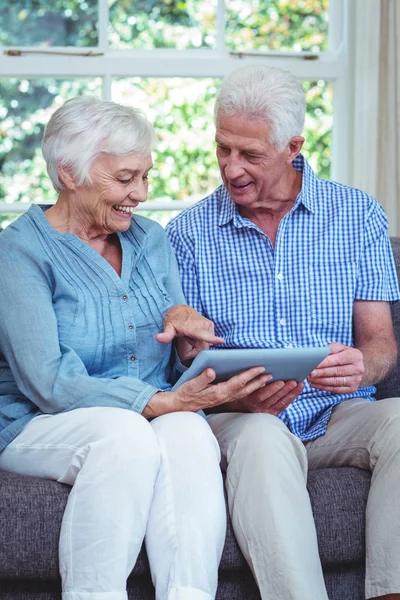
[31,510]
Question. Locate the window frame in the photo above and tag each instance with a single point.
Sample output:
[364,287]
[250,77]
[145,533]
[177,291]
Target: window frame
[107,63]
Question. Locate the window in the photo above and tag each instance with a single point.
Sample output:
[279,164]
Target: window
[168,58]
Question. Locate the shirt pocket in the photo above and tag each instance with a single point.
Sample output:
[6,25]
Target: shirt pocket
[331,292]
[149,300]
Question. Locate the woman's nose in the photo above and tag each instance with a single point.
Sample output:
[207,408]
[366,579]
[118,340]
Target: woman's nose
[139,192]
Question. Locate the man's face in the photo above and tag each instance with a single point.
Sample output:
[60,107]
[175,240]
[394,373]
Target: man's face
[252,169]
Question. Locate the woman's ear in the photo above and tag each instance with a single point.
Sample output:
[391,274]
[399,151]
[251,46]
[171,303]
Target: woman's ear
[66,178]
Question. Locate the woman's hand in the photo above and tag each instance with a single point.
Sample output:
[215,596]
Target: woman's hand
[193,332]
[198,393]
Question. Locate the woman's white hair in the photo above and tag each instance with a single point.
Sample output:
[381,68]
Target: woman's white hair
[259,92]
[83,128]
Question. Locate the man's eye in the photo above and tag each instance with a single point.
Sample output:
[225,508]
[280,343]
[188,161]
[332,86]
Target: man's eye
[124,181]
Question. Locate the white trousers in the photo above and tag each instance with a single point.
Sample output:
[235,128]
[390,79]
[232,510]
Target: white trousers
[132,479]
[266,469]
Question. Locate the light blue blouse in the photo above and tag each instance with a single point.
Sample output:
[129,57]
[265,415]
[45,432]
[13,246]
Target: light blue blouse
[72,332]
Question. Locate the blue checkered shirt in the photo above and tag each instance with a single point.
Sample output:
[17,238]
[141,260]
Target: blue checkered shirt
[331,248]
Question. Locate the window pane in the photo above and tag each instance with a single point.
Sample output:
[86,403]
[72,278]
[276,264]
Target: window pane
[56,23]
[25,108]
[181,110]
[150,24]
[293,25]
[161,216]
[318,126]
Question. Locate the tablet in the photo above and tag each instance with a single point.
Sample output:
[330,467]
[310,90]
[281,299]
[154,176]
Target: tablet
[283,363]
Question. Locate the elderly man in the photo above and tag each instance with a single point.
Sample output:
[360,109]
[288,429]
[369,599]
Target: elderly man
[276,257]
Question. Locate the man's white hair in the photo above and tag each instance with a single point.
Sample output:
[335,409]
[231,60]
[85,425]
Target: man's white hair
[259,92]
[83,128]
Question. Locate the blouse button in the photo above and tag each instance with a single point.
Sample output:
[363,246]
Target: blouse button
[132,357]
[125,297]
[131,326]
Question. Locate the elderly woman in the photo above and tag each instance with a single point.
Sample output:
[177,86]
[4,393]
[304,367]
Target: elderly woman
[85,385]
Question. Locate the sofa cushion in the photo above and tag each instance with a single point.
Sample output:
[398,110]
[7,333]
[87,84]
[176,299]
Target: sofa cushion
[32,510]
[338,499]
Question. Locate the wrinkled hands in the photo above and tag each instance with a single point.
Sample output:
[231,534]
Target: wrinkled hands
[340,372]
[198,393]
[274,398]
[193,332]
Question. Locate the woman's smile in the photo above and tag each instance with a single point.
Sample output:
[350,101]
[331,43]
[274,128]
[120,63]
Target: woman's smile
[124,211]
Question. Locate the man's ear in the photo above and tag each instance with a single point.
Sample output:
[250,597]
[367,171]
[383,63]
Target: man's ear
[66,178]
[294,147]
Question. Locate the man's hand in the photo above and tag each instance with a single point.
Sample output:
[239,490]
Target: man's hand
[340,372]
[273,398]
[193,332]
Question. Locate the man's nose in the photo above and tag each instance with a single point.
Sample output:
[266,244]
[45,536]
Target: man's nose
[233,168]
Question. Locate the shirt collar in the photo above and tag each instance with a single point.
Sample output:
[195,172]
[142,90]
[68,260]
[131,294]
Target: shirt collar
[229,210]
[307,193]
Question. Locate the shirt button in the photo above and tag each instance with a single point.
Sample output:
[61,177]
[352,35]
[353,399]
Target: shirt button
[125,297]
[279,276]
[131,326]
[282,321]
[132,358]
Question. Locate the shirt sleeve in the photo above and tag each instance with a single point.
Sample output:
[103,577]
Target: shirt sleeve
[377,276]
[48,373]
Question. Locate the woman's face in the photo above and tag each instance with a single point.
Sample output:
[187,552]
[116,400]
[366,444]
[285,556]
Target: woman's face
[119,183]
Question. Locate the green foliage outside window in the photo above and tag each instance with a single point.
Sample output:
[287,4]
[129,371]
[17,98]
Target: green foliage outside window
[250,24]
[297,25]
[48,23]
[180,109]
[162,24]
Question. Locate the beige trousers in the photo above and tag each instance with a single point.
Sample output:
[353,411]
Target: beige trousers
[266,468]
